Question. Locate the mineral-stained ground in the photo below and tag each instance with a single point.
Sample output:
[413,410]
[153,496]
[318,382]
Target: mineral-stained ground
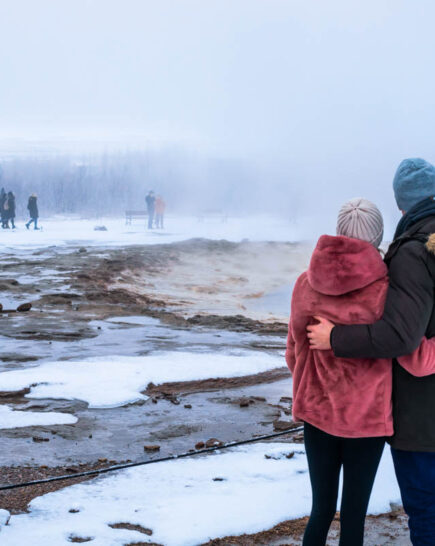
[197,295]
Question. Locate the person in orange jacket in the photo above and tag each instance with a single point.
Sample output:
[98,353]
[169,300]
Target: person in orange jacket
[160,211]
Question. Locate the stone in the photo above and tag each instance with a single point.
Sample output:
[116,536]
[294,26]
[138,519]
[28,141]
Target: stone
[213,442]
[152,448]
[279,456]
[24,307]
[283,425]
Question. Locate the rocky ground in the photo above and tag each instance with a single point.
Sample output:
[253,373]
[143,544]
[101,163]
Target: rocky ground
[75,296]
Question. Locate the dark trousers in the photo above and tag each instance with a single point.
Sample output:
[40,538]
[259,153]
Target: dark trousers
[415,473]
[359,458]
[33,220]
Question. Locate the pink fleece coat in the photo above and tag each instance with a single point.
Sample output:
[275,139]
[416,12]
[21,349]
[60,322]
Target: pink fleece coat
[346,283]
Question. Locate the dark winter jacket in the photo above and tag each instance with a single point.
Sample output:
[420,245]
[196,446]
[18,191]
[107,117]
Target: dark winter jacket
[11,206]
[3,211]
[151,202]
[33,207]
[409,315]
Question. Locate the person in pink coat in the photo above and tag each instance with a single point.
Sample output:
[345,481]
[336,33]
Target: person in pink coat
[345,404]
[160,211]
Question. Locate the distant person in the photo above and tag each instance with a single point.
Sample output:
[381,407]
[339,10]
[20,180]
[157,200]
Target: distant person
[32,207]
[3,210]
[151,207]
[11,209]
[160,207]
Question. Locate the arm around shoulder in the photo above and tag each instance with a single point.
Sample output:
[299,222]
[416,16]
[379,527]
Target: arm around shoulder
[407,312]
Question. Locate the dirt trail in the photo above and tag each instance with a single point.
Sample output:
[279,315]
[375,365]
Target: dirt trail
[383,530]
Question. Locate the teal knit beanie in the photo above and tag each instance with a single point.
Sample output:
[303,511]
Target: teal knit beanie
[414,181]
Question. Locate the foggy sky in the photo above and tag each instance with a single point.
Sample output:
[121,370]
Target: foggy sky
[325,97]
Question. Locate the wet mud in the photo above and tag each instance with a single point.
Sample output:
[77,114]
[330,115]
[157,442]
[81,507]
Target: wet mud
[198,295]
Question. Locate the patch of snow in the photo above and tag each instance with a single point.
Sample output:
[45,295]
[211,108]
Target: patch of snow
[113,381]
[72,231]
[5,516]
[10,418]
[181,503]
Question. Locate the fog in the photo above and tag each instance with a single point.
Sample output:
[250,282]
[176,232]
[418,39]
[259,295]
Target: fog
[284,105]
[108,184]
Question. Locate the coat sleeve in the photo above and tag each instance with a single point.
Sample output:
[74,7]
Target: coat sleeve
[290,355]
[422,361]
[407,312]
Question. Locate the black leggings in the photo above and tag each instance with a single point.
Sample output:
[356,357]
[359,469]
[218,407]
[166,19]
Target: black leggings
[359,458]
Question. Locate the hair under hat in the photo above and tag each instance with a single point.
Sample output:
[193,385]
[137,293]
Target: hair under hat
[361,219]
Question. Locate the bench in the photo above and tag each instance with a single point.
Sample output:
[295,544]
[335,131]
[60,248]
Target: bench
[134,215]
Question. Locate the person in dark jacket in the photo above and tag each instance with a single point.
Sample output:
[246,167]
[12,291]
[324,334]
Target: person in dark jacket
[32,207]
[151,207]
[11,208]
[409,315]
[3,210]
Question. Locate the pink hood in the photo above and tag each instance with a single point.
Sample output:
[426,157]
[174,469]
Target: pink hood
[340,265]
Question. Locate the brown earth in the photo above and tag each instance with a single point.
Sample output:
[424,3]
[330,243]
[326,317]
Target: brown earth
[206,385]
[385,529]
[177,284]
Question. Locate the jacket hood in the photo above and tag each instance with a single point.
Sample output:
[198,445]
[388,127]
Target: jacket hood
[340,265]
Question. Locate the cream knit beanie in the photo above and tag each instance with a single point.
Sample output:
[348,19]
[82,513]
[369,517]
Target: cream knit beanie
[361,219]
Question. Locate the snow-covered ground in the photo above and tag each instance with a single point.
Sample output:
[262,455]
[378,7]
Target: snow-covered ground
[181,501]
[112,381]
[10,418]
[184,502]
[71,231]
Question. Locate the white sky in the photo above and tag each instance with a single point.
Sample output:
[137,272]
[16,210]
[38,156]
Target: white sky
[326,93]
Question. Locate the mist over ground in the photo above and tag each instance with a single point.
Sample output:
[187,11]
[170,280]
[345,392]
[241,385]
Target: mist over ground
[110,183]
[282,106]
[255,120]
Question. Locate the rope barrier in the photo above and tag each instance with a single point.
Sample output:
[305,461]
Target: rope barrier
[114,468]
